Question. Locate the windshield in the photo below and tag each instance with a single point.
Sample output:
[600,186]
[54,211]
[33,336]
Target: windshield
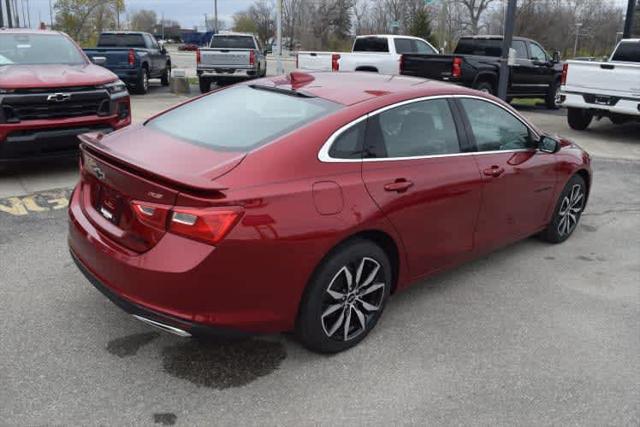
[627,52]
[121,40]
[232,42]
[240,118]
[38,49]
[480,47]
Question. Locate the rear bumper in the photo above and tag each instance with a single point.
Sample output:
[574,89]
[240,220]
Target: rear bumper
[227,72]
[167,323]
[622,106]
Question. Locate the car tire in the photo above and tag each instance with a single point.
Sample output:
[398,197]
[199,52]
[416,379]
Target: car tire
[205,85]
[578,118]
[164,79]
[485,86]
[345,297]
[568,211]
[551,100]
[142,82]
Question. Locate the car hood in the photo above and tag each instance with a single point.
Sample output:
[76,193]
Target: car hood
[51,76]
[165,156]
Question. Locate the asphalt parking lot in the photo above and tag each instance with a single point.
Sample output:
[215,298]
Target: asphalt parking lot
[533,334]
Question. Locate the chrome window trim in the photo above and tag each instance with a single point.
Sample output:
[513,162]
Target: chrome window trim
[323,154]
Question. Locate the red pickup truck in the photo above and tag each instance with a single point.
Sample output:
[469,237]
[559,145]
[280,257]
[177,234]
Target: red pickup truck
[50,92]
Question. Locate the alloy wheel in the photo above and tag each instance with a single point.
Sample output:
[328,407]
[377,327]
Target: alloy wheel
[570,209]
[145,81]
[356,292]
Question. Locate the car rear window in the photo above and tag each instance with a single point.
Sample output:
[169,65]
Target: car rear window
[232,42]
[121,40]
[628,52]
[38,49]
[240,118]
[371,44]
[480,47]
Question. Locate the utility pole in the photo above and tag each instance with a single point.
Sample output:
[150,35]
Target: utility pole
[117,14]
[280,68]
[50,16]
[215,16]
[9,17]
[1,16]
[28,12]
[162,23]
[628,22]
[509,25]
[24,15]
[575,46]
[17,12]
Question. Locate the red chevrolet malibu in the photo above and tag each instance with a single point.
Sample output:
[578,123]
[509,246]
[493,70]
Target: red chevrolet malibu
[301,203]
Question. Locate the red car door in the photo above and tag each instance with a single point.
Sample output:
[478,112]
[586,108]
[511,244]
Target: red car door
[518,179]
[419,178]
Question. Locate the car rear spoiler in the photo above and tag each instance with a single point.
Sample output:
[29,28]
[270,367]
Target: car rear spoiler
[91,143]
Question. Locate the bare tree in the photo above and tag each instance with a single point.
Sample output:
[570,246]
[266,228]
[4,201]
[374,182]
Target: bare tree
[475,9]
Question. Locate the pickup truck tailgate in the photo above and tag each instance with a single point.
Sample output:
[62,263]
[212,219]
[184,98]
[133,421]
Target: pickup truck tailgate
[427,66]
[606,78]
[315,61]
[224,57]
[116,57]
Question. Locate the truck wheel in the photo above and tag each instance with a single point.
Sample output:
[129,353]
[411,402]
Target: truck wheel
[164,79]
[578,118]
[551,100]
[485,87]
[142,83]
[205,85]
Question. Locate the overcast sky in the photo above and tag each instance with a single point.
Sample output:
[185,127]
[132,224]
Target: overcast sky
[187,12]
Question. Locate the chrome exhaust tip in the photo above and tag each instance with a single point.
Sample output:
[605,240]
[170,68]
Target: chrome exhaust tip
[162,326]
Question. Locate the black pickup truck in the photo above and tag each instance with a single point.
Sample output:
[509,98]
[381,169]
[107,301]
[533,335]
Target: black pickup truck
[475,63]
[135,57]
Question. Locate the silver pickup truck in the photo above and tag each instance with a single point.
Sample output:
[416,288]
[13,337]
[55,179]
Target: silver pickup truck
[230,57]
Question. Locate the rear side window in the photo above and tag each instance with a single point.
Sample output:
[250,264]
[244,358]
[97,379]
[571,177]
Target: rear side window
[628,52]
[521,49]
[240,118]
[480,47]
[371,44]
[349,144]
[417,129]
[494,128]
[232,42]
[121,40]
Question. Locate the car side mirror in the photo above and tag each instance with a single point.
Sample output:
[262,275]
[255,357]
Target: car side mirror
[548,145]
[99,60]
[556,57]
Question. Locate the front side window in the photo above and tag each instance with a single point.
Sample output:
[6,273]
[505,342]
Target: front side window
[520,48]
[627,51]
[537,53]
[409,46]
[418,129]
[240,118]
[40,49]
[424,48]
[494,128]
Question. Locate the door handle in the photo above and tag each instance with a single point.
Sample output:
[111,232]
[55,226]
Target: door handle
[494,171]
[400,185]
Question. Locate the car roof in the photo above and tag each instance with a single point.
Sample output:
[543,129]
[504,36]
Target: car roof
[493,37]
[4,30]
[124,32]
[350,88]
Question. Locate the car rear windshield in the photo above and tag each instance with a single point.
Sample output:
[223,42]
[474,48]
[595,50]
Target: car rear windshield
[628,52]
[121,40]
[240,118]
[371,44]
[232,42]
[38,49]
[480,47]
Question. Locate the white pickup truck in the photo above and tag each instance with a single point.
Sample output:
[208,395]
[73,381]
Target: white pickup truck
[230,57]
[603,89]
[376,53]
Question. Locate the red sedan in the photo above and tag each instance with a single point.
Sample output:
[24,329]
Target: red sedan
[302,202]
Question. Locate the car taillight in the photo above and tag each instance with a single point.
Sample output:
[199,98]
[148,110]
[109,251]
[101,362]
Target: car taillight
[132,57]
[456,68]
[209,225]
[198,56]
[252,57]
[335,65]
[565,70]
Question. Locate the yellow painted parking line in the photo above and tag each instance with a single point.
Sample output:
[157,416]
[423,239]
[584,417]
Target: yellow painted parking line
[44,201]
